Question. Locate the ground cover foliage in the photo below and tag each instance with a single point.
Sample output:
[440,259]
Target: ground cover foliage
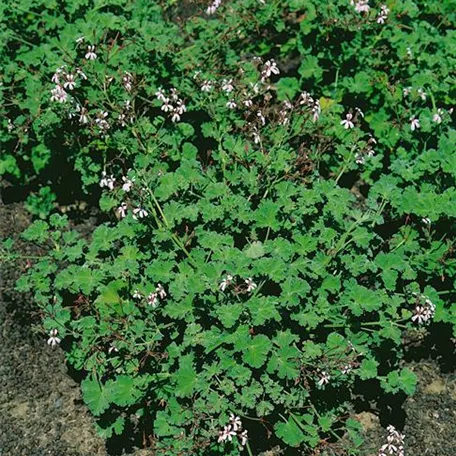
[276,184]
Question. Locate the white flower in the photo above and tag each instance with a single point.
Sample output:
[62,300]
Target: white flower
[251,285]
[255,87]
[261,117]
[122,210]
[256,136]
[383,14]
[69,81]
[316,111]
[180,108]
[139,213]
[270,67]
[235,422]
[56,76]
[226,434]
[53,340]
[213,7]
[248,103]
[167,106]
[107,181]
[347,122]
[361,6]
[437,117]
[81,73]
[243,437]
[175,117]
[127,183]
[161,291]
[409,52]
[10,126]
[225,282]
[346,369]
[90,55]
[394,445]
[324,379]
[414,124]
[160,94]
[359,158]
[207,86]
[127,81]
[231,104]
[358,110]
[101,121]
[83,117]
[152,299]
[80,40]
[426,220]
[174,95]
[227,85]
[137,294]
[422,94]
[111,349]
[407,91]
[59,94]
[424,311]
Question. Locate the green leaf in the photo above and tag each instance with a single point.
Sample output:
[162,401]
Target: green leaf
[368,369]
[263,309]
[37,231]
[407,381]
[290,432]
[229,314]
[186,377]
[256,351]
[123,391]
[285,363]
[287,88]
[255,250]
[96,396]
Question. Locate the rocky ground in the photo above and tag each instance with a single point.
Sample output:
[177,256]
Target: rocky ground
[42,413]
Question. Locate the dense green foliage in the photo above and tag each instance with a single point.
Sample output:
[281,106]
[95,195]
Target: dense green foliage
[278,185]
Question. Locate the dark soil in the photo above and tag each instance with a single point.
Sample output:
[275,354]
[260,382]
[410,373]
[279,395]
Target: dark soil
[42,413]
[428,417]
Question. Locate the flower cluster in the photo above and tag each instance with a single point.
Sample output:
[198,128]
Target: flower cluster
[438,115]
[314,105]
[171,104]
[137,213]
[64,81]
[368,151]
[154,297]
[233,429]
[394,445]
[424,309]
[249,284]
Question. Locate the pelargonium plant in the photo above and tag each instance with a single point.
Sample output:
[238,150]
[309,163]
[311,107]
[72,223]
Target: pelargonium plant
[267,240]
